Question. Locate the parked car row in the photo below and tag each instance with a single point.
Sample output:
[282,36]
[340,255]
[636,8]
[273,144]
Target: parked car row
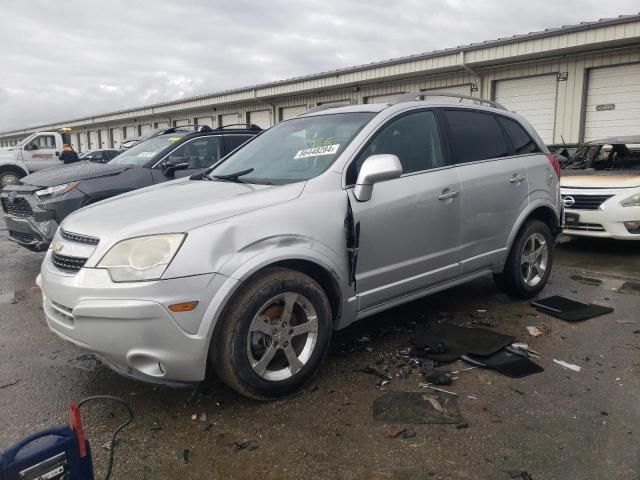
[246,264]
[35,208]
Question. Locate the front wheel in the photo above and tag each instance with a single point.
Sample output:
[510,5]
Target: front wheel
[273,336]
[9,177]
[529,263]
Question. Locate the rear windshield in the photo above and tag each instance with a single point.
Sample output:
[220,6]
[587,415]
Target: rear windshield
[605,157]
[143,152]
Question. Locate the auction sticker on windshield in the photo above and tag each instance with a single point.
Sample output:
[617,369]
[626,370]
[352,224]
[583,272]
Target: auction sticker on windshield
[312,152]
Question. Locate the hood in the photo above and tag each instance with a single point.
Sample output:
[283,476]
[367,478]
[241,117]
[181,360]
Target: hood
[72,173]
[600,178]
[175,206]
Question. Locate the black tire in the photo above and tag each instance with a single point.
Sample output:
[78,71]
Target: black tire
[229,352]
[9,177]
[512,279]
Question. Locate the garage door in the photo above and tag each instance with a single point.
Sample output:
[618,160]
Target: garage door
[290,112]
[116,137]
[613,102]
[104,138]
[208,121]
[180,123]
[262,118]
[162,124]
[534,98]
[229,119]
[93,140]
[458,90]
[145,128]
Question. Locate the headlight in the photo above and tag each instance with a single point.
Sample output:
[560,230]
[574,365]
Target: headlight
[55,191]
[633,201]
[142,258]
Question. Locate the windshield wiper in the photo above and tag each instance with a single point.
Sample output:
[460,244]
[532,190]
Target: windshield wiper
[234,177]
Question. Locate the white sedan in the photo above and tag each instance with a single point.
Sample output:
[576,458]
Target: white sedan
[600,187]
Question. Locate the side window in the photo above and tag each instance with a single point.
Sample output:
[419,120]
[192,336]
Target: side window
[413,138]
[199,153]
[520,139]
[46,141]
[234,141]
[475,136]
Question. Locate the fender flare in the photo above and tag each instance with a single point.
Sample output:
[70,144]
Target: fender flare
[524,216]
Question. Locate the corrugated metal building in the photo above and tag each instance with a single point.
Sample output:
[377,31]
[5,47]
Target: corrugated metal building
[577,83]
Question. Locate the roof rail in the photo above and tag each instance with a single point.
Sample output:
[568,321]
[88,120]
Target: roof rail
[412,97]
[248,126]
[320,108]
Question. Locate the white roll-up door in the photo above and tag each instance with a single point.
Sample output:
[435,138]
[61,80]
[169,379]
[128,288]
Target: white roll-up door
[145,128]
[290,112]
[208,121]
[93,140]
[613,102]
[103,135]
[130,132]
[229,119]
[84,141]
[391,97]
[162,124]
[457,90]
[76,141]
[262,118]
[534,98]
[181,123]
[116,137]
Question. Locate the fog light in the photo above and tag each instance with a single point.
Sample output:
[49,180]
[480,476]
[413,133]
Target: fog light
[183,307]
[633,227]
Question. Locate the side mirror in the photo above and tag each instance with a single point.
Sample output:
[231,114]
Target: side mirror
[376,168]
[174,163]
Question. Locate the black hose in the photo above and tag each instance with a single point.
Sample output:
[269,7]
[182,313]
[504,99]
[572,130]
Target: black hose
[117,430]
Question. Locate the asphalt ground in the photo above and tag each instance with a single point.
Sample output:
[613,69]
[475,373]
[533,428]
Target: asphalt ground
[559,424]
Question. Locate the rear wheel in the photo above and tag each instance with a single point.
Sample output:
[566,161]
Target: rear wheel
[529,263]
[274,334]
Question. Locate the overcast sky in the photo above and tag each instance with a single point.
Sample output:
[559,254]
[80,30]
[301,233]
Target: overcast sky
[63,60]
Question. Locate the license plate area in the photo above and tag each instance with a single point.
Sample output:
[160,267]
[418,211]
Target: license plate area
[571,219]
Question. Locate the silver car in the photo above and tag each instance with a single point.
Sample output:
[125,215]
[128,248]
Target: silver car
[245,269]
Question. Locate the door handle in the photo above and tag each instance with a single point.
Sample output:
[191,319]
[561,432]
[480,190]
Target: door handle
[516,179]
[448,195]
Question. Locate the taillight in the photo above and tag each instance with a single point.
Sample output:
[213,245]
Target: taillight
[555,164]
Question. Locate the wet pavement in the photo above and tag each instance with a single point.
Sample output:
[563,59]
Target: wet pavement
[558,424]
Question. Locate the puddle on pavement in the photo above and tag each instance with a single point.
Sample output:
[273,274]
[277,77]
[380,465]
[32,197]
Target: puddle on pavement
[611,284]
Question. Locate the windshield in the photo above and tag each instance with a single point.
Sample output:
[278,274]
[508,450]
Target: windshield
[295,150]
[24,141]
[142,152]
[605,157]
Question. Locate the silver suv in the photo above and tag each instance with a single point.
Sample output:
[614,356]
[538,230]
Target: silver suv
[246,268]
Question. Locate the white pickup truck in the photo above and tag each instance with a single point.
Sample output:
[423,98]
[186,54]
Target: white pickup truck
[38,151]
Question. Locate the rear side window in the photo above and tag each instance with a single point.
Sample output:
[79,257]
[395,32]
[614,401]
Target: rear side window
[520,140]
[475,136]
[234,141]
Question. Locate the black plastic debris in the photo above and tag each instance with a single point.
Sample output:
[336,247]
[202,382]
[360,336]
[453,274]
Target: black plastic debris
[521,474]
[185,455]
[438,377]
[371,370]
[569,309]
[508,363]
[416,408]
[458,341]
[246,445]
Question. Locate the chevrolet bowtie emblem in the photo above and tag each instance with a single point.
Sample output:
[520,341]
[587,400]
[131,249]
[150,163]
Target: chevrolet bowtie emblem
[57,247]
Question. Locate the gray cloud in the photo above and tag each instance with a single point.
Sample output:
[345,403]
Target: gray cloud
[62,60]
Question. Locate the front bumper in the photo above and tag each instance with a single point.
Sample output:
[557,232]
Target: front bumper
[29,225]
[129,325]
[606,223]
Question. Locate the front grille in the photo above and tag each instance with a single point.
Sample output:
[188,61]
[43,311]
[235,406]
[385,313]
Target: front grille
[586,202]
[19,207]
[66,263]
[78,238]
[22,237]
[592,227]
